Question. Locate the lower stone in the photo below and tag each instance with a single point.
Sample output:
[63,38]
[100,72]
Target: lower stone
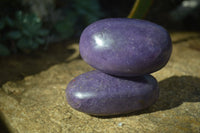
[97,93]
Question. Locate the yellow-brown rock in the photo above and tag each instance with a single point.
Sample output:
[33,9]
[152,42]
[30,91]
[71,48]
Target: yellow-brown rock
[37,104]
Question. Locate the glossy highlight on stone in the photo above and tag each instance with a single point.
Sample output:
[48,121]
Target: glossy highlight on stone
[97,93]
[125,47]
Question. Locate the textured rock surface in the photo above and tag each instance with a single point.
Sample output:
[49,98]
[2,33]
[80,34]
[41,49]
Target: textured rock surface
[97,93]
[38,103]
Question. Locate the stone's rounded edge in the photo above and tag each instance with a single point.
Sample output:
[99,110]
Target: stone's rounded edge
[132,63]
[110,98]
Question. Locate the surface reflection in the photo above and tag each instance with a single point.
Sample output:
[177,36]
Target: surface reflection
[103,40]
[81,95]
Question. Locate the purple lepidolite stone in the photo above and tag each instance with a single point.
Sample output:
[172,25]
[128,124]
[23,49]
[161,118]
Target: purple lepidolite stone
[97,93]
[125,47]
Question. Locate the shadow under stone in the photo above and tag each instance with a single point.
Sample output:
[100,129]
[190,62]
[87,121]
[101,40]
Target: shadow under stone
[3,126]
[17,66]
[186,39]
[176,90]
[173,92]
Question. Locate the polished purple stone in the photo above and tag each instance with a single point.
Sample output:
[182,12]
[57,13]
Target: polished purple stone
[125,47]
[97,93]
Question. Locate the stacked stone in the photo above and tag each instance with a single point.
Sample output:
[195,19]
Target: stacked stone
[124,52]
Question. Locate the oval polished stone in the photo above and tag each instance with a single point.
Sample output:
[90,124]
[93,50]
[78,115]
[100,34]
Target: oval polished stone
[97,93]
[125,47]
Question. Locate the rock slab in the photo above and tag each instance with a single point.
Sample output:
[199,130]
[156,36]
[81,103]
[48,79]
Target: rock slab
[38,103]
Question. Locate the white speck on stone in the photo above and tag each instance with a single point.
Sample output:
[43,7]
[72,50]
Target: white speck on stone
[120,124]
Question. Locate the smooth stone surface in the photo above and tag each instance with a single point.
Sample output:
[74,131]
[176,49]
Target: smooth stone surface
[125,47]
[97,93]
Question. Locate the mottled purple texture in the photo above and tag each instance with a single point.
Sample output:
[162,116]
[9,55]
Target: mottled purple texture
[125,47]
[97,93]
